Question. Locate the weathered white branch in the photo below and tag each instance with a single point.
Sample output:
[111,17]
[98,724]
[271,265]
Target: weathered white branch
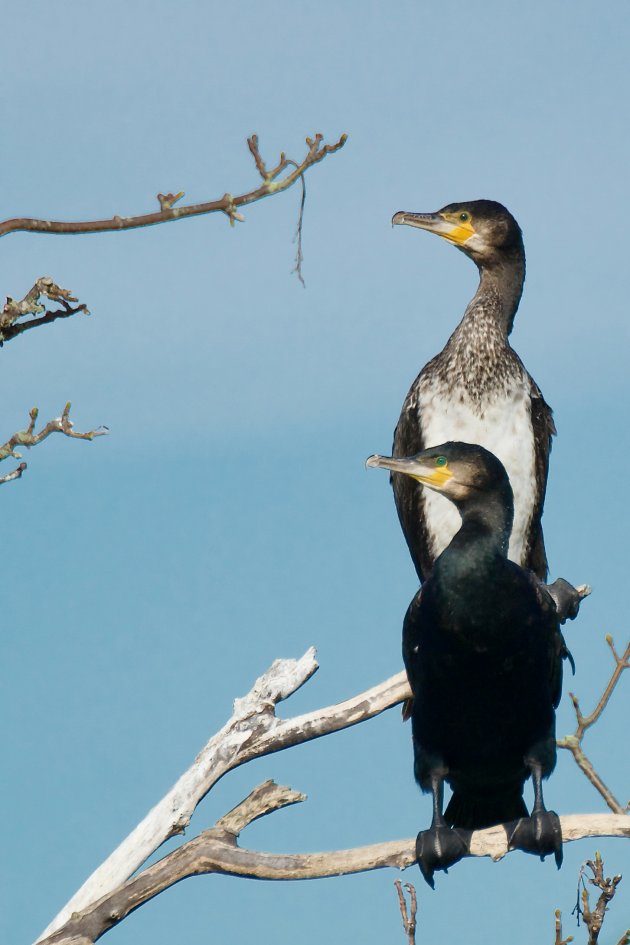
[252,731]
[216,851]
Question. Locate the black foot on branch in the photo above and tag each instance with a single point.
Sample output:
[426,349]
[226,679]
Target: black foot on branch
[440,847]
[567,598]
[539,834]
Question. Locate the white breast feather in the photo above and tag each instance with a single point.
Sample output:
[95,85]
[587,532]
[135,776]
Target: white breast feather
[502,424]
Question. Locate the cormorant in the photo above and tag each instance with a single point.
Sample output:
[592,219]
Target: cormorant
[483,652]
[477,390]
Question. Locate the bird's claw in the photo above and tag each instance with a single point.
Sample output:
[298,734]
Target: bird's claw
[438,848]
[566,598]
[540,834]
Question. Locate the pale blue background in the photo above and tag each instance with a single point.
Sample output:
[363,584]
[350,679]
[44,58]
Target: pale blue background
[149,577]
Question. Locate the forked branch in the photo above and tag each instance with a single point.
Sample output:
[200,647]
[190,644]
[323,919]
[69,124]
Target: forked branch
[255,730]
[408,917]
[168,212]
[574,742]
[15,316]
[28,438]
[15,309]
[594,918]
[217,851]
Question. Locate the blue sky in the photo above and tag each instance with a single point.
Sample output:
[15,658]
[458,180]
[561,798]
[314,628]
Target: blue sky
[227,520]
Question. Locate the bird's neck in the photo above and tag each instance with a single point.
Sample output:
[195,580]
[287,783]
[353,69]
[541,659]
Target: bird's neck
[478,344]
[483,537]
[500,289]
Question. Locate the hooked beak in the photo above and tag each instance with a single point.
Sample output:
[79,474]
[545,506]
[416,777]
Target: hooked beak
[458,233]
[425,472]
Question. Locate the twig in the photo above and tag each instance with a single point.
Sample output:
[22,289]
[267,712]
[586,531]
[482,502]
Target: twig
[217,851]
[408,919]
[28,437]
[167,213]
[16,474]
[559,940]
[574,742]
[30,305]
[299,256]
[595,919]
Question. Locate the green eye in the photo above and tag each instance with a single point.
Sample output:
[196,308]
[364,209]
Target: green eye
[440,461]
[464,217]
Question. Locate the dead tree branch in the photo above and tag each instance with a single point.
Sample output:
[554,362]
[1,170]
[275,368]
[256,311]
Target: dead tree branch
[28,438]
[559,940]
[574,742]
[255,730]
[594,919]
[217,851]
[16,474]
[408,918]
[251,732]
[168,212]
[30,305]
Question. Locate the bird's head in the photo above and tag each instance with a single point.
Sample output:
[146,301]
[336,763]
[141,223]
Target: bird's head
[463,472]
[483,229]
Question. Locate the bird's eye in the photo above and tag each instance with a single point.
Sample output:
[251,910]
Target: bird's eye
[440,461]
[464,217]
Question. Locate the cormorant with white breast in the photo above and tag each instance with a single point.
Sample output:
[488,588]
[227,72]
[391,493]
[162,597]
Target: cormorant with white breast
[477,391]
[483,651]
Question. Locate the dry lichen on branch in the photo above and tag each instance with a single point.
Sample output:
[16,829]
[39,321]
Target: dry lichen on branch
[593,918]
[29,438]
[30,305]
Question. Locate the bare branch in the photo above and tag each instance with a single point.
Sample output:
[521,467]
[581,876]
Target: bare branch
[28,437]
[574,742]
[216,851]
[408,919]
[594,919]
[299,256]
[253,731]
[559,940]
[30,305]
[16,474]
[168,212]
[264,799]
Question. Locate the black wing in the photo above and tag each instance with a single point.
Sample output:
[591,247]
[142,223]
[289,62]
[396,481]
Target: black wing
[408,494]
[544,428]
[557,650]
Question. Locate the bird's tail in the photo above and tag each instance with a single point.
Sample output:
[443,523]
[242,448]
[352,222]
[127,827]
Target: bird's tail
[476,811]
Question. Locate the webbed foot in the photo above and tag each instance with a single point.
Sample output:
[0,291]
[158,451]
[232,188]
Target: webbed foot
[567,598]
[438,848]
[539,834]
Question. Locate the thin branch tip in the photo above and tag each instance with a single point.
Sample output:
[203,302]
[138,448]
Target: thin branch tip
[168,212]
[14,310]
[573,743]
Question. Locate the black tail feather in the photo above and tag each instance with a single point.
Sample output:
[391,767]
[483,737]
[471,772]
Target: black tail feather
[475,811]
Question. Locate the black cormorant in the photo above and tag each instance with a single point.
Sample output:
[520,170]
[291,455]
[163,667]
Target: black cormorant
[477,391]
[483,652]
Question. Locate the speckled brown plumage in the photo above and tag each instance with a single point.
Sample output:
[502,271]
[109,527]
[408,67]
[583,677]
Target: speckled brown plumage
[478,390]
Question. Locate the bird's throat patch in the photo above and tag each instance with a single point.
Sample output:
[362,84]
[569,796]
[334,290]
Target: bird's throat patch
[437,477]
[459,232]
